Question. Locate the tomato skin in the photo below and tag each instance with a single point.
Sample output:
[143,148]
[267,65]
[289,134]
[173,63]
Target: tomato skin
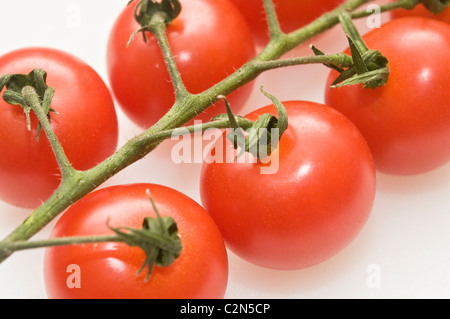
[407,121]
[421,11]
[138,74]
[292,14]
[86,125]
[311,208]
[108,270]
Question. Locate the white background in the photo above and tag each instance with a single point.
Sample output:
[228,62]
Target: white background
[401,253]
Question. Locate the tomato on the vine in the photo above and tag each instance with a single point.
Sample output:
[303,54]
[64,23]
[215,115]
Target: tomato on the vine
[307,209]
[421,11]
[292,14]
[109,270]
[85,123]
[407,121]
[209,40]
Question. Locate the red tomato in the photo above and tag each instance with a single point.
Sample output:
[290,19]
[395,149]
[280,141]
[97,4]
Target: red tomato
[209,40]
[305,211]
[421,11]
[86,125]
[407,121]
[292,14]
[108,270]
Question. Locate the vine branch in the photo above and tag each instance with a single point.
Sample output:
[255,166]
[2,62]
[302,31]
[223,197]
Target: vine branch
[79,183]
[272,20]
[340,60]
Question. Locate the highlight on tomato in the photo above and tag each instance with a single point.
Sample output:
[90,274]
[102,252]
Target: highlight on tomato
[83,118]
[307,210]
[111,270]
[292,14]
[209,40]
[406,121]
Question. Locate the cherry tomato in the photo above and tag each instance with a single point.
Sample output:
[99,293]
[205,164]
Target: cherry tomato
[108,270]
[209,40]
[407,121]
[421,11]
[307,207]
[86,125]
[292,14]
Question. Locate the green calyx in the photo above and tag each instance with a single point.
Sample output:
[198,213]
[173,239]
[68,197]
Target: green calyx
[368,68]
[263,136]
[16,85]
[158,238]
[146,10]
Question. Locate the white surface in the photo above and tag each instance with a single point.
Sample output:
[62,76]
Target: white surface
[401,253]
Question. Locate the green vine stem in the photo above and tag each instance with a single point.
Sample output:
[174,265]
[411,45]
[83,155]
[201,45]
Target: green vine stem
[77,184]
[339,60]
[272,20]
[158,237]
[31,100]
[435,6]
[157,26]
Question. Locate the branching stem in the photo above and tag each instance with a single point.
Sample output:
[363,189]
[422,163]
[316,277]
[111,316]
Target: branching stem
[26,244]
[272,20]
[339,60]
[77,184]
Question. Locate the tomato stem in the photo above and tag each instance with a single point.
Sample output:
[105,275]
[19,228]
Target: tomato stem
[259,141]
[80,183]
[352,32]
[61,241]
[368,67]
[272,20]
[13,94]
[77,184]
[31,100]
[154,17]
[436,6]
[158,238]
[340,60]
[400,4]
[157,26]
[151,243]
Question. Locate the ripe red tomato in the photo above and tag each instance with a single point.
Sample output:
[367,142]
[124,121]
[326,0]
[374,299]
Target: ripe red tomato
[407,121]
[209,40]
[310,207]
[421,11]
[108,270]
[86,125]
[292,14]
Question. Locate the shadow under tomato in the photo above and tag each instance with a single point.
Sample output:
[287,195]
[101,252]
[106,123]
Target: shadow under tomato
[415,184]
[345,272]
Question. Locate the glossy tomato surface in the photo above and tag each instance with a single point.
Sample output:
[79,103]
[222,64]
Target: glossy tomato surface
[108,270]
[292,14]
[407,121]
[86,125]
[308,206]
[209,40]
